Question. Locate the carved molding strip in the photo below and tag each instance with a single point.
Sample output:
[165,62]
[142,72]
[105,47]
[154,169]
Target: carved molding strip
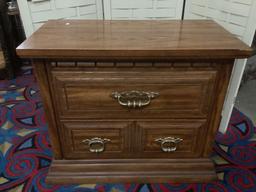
[89,64]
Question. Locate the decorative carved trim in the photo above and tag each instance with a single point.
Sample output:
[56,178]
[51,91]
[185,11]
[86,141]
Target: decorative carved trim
[85,64]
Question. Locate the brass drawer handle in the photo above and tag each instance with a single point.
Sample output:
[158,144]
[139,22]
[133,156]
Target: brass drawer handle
[134,99]
[96,144]
[169,144]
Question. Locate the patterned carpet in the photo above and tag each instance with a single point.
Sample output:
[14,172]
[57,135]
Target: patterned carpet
[25,152]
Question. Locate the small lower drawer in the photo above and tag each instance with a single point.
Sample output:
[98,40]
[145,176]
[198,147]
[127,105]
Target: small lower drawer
[172,139]
[132,139]
[94,139]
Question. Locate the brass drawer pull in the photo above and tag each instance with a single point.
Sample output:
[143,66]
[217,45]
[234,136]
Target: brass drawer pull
[169,144]
[96,144]
[134,99]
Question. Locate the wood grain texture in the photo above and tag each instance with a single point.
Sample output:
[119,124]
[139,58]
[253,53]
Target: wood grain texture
[132,39]
[43,81]
[80,64]
[220,93]
[183,92]
[2,60]
[85,111]
[190,131]
[74,132]
[131,171]
[132,139]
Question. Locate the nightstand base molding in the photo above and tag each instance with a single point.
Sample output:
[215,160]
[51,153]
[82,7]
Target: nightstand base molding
[131,171]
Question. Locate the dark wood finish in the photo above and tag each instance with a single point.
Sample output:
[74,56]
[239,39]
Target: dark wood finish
[2,60]
[129,39]
[17,26]
[131,171]
[80,64]
[8,42]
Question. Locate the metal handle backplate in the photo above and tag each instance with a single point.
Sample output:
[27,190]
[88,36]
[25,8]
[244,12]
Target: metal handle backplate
[169,144]
[134,99]
[96,144]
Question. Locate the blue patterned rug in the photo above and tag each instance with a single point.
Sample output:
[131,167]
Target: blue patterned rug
[25,151]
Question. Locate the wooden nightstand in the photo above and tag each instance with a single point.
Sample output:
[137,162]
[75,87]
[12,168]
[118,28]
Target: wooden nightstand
[132,101]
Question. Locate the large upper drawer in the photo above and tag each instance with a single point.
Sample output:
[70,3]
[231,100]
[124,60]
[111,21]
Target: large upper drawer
[134,93]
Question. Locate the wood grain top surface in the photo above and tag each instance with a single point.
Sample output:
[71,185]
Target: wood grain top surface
[136,39]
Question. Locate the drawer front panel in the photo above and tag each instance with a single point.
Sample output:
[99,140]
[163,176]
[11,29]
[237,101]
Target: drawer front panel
[134,139]
[90,94]
[172,138]
[109,138]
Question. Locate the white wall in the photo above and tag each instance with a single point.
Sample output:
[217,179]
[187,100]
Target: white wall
[36,12]
[233,15]
[238,17]
[143,9]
